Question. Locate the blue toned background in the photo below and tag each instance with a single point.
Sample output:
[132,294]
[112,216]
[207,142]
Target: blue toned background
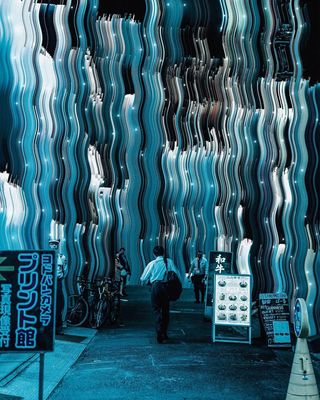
[194,123]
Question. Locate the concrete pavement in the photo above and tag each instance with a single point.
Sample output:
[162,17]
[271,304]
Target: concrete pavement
[19,372]
[126,363]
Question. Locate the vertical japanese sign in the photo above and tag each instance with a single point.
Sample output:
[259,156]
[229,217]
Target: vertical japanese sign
[220,262]
[27,300]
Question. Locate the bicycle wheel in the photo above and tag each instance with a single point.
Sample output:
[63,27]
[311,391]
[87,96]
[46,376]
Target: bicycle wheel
[114,310]
[100,313]
[78,312]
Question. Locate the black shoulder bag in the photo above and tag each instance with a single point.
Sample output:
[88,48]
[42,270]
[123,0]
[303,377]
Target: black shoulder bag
[172,283]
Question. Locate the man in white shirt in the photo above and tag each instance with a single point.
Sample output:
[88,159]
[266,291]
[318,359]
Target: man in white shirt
[154,274]
[198,271]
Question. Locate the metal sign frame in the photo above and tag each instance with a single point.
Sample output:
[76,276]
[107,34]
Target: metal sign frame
[236,337]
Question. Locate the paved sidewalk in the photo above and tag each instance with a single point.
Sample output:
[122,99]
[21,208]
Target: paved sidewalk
[126,363]
[19,373]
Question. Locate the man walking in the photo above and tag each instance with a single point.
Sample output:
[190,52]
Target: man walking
[198,271]
[154,274]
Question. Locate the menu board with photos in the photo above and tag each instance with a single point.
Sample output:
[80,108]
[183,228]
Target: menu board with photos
[232,305]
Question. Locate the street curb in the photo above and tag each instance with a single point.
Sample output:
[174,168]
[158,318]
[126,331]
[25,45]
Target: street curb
[24,382]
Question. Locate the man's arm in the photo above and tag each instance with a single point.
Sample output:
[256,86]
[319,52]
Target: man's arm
[128,267]
[206,266]
[65,267]
[192,267]
[146,274]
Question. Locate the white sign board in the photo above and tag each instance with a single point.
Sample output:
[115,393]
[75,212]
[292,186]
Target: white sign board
[232,300]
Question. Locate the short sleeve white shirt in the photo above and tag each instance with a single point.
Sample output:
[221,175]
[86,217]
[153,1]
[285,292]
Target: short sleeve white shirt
[156,270]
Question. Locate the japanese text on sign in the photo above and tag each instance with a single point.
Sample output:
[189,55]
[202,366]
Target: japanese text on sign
[46,289]
[26,333]
[27,301]
[220,261]
[5,315]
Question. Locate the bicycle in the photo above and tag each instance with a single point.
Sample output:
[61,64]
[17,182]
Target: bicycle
[78,304]
[108,305]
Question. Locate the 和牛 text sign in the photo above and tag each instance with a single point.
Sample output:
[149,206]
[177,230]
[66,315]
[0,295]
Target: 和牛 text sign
[221,262]
[27,300]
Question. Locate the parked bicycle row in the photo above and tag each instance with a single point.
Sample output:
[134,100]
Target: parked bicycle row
[98,303]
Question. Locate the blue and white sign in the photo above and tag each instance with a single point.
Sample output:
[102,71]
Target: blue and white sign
[27,300]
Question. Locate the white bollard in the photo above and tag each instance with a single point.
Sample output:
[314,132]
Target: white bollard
[302,384]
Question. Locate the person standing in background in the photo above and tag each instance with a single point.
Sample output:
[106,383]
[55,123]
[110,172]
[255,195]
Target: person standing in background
[62,270]
[124,268]
[197,272]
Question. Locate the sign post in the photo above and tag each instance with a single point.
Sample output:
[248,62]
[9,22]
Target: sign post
[27,303]
[41,376]
[220,262]
[232,309]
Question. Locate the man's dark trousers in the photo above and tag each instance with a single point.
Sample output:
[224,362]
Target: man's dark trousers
[199,286]
[160,307]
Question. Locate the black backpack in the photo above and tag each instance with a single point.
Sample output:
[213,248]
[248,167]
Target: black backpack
[172,284]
